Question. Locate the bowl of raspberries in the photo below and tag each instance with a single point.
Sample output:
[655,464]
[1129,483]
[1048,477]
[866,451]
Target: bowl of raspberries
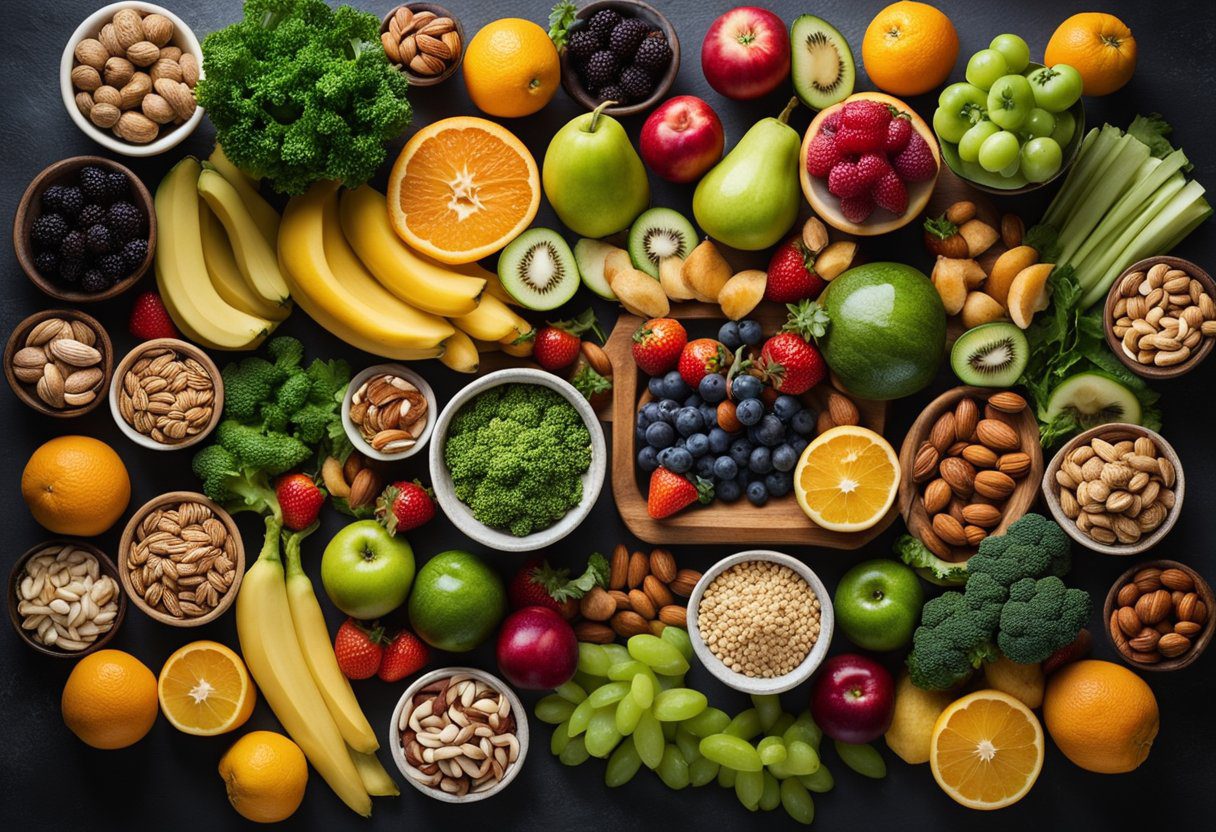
[620,50]
[85,229]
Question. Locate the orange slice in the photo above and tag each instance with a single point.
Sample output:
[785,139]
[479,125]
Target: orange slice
[847,478]
[987,750]
[204,689]
[462,189]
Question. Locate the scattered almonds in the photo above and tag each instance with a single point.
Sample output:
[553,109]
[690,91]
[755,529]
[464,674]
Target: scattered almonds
[1162,316]
[167,396]
[1159,615]
[423,43]
[63,599]
[390,412]
[641,597]
[61,362]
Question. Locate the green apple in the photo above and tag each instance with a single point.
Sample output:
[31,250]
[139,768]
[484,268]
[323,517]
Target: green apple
[878,603]
[366,571]
[457,601]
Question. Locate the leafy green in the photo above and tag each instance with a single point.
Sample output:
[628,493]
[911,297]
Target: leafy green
[561,17]
[561,587]
[1153,131]
[928,565]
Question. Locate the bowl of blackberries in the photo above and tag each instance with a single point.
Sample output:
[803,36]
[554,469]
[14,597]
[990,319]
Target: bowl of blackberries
[85,229]
[620,50]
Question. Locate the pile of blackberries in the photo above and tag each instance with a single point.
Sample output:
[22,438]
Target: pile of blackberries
[618,59]
[89,234]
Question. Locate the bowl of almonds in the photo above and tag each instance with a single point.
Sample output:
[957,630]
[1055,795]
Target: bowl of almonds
[58,362]
[166,394]
[1159,615]
[425,40]
[127,77]
[389,412]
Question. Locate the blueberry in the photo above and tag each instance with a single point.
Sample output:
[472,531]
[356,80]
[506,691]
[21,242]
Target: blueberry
[725,468]
[674,386]
[770,431]
[694,401]
[653,413]
[660,435]
[761,461]
[745,387]
[719,440]
[689,421]
[639,434]
[655,386]
[778,483]
[643,421]
[668,409]
[728,334]
[757,493]
[704,467]
[784,458]
[712,388]
[749,412]
[803,422]
[740,452]
[680,442]
[676,460]
[697,444]
[785,407]
[648,459]
[709,413]
[799,443]
[728,491]
[751,332]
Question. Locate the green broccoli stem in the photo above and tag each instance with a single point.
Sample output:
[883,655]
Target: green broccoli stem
[270,545]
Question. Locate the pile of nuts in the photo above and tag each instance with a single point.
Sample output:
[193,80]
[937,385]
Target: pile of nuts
[390,412]
[1117,493]
[422,42]
[130,79]
[641,597]
[63,599]
[1158,615]
[967,469]
[1162,316]
[839,410]
[182,561]
[356,481]
[61,360]
[458,734]
[760,618]
[167,396]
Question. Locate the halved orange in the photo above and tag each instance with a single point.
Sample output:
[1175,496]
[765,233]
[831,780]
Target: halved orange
[847,478]
[987,750]
[204,689]
[462,189]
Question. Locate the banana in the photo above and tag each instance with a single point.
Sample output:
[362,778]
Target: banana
[494,287]
[375,779]
[197,309]
[460,354]
[264,215]
[492,320]
[404,272]
[226,276]
[254,256]
[272,652]
[518,347]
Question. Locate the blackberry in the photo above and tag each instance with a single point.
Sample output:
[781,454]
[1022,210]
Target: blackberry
[91,214]
[47,263]
[93,281]
[602,23]
[52,198]
[612,92]
[70,270]
[73,246]
[600,69]
[49,230]
[94,183]
[125,220]
[71,200]
[133,253]
[117,186]
[636,83]
[97,238]
[654,53]
[626,37]
[583,44]
[112,266]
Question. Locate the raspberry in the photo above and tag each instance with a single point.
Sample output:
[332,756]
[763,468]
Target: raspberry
[871,167]
[94,182]
[636,83]
[915,163]
[91,214]
[97,238]
[626,37]
[583,44]
[603,22]
[845,180]
[133,253]
[49,230]
[654,53]
[899,130]
[124,220]
[832,123]
[600,70]
[889,192]
[94,281]
[856,209]
[865,114]
[856,140]
[822,155]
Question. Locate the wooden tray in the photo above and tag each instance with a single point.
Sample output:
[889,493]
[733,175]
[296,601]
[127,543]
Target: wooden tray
[781,521]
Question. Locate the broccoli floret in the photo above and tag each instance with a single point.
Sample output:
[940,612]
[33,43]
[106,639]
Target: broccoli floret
[1031,547]
[247,384]
[953,639]
[286,352]
[267,451]
[1040,617]
[233,485]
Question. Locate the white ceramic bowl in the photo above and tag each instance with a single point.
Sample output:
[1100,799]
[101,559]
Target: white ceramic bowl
[183,38]
[352,430]
[521,733]
[459,513]
[752,684]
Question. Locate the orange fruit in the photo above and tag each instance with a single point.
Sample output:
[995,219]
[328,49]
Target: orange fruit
[109,700]
[1101,715]
[1097,45]
[846,479]
[987,750]
[462,189]
[204,689]
[265,774]
[76,485]
[909,48]
[511,68]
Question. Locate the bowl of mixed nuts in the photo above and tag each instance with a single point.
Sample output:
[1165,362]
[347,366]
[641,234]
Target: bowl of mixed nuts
[58,362]
[388,412]
[1159,615]
[425,40]
[166,394]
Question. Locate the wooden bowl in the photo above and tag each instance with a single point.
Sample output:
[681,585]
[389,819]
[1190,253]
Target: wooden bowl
[1114,432]
[1198,644]
[1152,371]
[107,568]
[1024,493]
[627,8]
[128,537]
[26,392]
[181,348]
[30,208]
[438,11]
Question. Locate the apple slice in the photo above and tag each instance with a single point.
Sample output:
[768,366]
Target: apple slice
[742,293]
[1006,268]
[980,308]
[671,278]
[706,271]
[640,293]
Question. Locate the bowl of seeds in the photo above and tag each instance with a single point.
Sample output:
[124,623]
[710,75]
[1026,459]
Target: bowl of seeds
[166,394]
[388,412]
[760,621]
[58,362]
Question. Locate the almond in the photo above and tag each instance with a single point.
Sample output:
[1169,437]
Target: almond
[842,410]
[118,71]
[1145,641]
[934,543]
[925,464]
[84,103]
[1172,645]
[980,456]
[619,571]
[994,485]
[135,89]
[128,28]
[178,95]
[597,604]
[949,530]
[1013,230]
[1116,629]
[91,52]
[189,67]
[959,475]
[70,351]
[657,591]
[657,627]
[620,599]
[85,77]
[163,68]
[942,435]
[1176,579]
[684,582]
[105,94]
[984,516]
[157,109]
[639,568]
[1016,464]
[593,633]
[997,435]
[974,534]
[158,28]
[1153,607]
[1128,595]
[640,603]
[429,45]
[109,40]
[596,358]
[966,417]
[104,116]
[363,488]
[1147,579]
[674,615]
[171,53]
[1129,622]
[663,565]
[627,624]
[937,496]
[1007,402]
[144,53]
[1188,628]
[82,381]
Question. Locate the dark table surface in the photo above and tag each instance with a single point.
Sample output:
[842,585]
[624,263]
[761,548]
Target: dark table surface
[51,781]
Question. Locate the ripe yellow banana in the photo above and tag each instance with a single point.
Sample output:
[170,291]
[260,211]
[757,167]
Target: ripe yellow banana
[226,276]
[273,654]
[254,256]
[460,354]
[405,273]
[375,779]
[492,320]
[264,215]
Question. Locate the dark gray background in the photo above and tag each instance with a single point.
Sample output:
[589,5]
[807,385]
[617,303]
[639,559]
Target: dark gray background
[49,780]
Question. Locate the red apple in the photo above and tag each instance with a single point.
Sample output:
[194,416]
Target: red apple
[537,649]
[746,53]
[853,699]
[682,139]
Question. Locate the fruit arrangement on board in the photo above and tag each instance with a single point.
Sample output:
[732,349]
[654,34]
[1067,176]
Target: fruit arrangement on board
[763,322]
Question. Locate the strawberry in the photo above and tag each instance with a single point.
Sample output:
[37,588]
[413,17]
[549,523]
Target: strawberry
[871,167]
[845,180]
[657,345]
[791,274]
[915,163]
[557,343]
[857,209]
[403,656]
[301,500]
[788,361]
[404,506]
[537,584]
[357,649]
[670,492]
[889,192]
[701,358]
[866,114]
[899,131]
[822,155]
[150,319]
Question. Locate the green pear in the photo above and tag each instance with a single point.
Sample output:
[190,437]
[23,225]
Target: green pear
[593,177]
[750,199]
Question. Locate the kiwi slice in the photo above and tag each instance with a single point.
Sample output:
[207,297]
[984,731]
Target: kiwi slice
[537,268]
[659,233]
[1095,399]
[990,355]
[590,256]
[822,63]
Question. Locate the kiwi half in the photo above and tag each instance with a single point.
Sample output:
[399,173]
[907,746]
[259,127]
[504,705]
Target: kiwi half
[1094,399]
[537,269]
[821,61]
[659,233]
[990,355]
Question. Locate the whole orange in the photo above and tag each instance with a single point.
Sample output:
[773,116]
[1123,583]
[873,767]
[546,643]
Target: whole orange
[109,700]
[1097,45]
[1101,715]
[909,48]
[511,68]
[76,485]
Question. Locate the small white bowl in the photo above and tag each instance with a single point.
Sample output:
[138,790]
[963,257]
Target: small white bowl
[183,39]
[521,733]
[459,513]
[352,430]
[755,684]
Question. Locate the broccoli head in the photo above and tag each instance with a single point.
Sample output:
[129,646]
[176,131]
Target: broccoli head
[1032,547]
[233,485]
[953,639]
[247,384]
[267,451]
[1040,617]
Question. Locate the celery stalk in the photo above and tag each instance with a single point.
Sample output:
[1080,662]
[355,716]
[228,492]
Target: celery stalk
[1093,152]
[1090,273]
[1111,183]
[1073,179]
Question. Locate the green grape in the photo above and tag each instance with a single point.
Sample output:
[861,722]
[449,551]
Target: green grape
[571,691]
[1041,158]
[732,752]
[709,721]
[969,144]
[678,637]
[575,753]
[998,150]
[1039,123]
[669,729]
[804,729]
[960,105]
[863,759]
[616,652]
[577,723]
[553,709]
[772,751]
[673,768]
[726,776]
[749,786]
[797,802]
[642,689]
[559,740]
[669,682]
[702,771]
[659,655]
[782,725]
[768,707]
[626,670]
[608,694]
[1056,88]
[819,781]
[985,67]
[1013,49]
[689,745]
[602,735]
[745,725]
[628,712]
[648,737]
[593,659]
[678,704]
[623,764]
[770,798]
[1066,126]
[587,681]
[1010,101]
[801,758]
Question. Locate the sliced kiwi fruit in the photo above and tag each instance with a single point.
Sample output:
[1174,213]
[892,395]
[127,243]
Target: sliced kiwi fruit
[659,233]
[990,355]
[537,269]
[821,61]
[590,256]
[1094,399]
